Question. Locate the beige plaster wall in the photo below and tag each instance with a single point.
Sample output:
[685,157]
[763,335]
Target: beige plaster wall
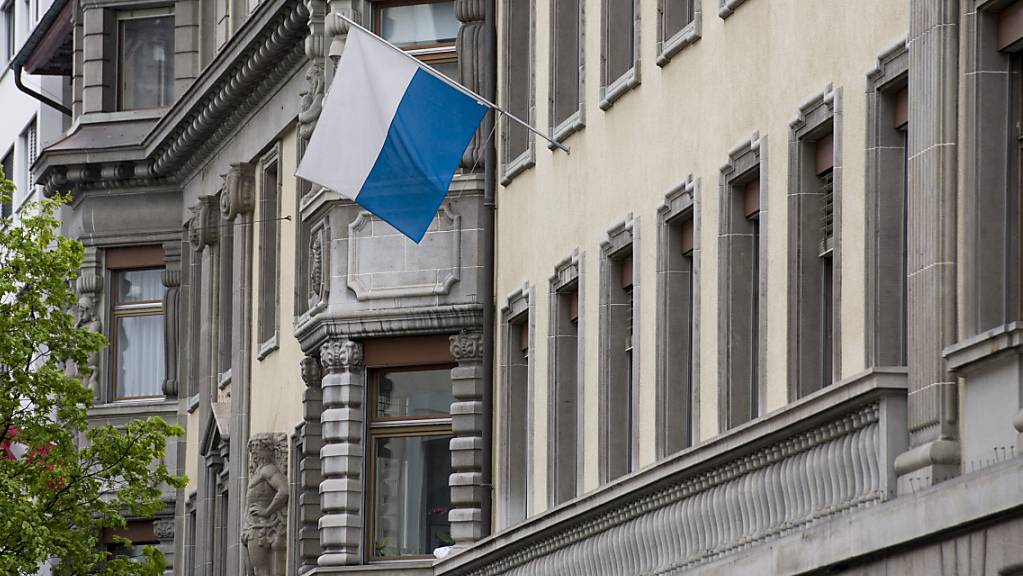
[277,387]
[748,72]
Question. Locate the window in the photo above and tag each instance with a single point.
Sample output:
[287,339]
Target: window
[269,261]
[137,334]
[515,401]
[619,41]
[226,295]
[564,362]
[7,206]
[566,67]
[742,278]
[28,144]
[409,433]
[425,29]
[677,309]
[517,142]
[618,363]
[139,532]
[815,244]
[145,59]
[7,13]
[678,25]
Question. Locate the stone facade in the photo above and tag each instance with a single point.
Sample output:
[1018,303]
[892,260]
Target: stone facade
[601,382]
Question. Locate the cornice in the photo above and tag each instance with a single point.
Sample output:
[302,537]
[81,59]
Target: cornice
[267,49]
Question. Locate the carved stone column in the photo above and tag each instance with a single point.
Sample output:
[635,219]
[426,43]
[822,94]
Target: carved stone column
[309,476]
[342,420]
[163,529]
[467,450]
[471,64]
[931,229]
[90,287]
[171,278]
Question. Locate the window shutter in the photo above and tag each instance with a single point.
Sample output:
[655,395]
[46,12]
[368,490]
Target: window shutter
[626,264]
[751,199]
[32,151]
[524,337]
[687,236]
[902,109]
[825,154]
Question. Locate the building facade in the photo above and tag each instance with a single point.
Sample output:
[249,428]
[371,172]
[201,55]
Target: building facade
[763,317]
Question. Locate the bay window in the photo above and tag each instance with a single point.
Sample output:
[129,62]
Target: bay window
[137,334]
[424,29]
[145,58]
[409,434]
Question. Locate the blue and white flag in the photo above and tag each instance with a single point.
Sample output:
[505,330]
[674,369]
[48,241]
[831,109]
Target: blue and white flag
[390,135]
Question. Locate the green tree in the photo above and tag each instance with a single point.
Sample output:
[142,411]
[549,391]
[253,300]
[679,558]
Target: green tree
[62,482]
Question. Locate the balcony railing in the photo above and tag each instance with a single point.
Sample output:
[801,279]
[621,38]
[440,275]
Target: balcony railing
[816,458]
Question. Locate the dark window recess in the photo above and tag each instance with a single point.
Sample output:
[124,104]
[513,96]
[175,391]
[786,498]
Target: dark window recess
[518,81]
[269,265]
[676,16]
[566,40]
[827,277]
[619,42]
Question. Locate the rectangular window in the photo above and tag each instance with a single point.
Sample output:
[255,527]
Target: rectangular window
[409,434]
[424,28]
[145,59]
[137,335]
[226,327]
[827,291]
[518,79]
[618,354]
[619,57]
[7,14]
[563,411]
[515,417]
[7,164]
[675,15]
[269,261]
[566,62]
[139,532]
[28,144]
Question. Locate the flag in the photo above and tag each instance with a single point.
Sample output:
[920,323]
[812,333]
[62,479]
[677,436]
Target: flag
[391,134]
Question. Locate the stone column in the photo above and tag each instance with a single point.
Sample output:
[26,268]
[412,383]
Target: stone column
[237,202]
[164,531]
[309,476]
[342,424]
[467,451]
[471,61]
[931,274]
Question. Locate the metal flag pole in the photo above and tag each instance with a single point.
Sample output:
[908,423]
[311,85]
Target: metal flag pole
[454,84]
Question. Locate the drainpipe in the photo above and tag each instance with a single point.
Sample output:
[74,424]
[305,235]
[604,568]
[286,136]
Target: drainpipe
[51,103]
[488,225]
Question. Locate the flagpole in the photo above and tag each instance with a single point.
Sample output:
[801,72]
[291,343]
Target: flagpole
[454,84]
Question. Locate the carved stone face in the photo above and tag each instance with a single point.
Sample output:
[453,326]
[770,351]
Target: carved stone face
[86,307]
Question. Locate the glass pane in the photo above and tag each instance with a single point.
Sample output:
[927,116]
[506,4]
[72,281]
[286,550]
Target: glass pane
[146,62]
[414,394]
[139,285]
[411,495]
[139,356]
[419,24]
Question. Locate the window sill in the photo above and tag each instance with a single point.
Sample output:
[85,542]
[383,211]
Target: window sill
[122,116]
[615,90]
[225,379]
[390,568]
[683,38]
[140,406]
[964,356]
[266,348]
[571,125]
[524,162]
[728,7]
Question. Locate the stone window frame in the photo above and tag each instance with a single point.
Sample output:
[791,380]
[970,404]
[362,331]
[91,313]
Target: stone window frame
[671,44]
[812,121]
[512,167]
[577,120]
[518,309]
[225,308]
[728,7]
[622,241]
[883,151]
[266,345]
[747,162]
[991,289]
[611,89]
[190,528]
[568,276]
[680,204]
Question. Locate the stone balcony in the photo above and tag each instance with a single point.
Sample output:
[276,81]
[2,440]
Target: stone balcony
[822,456]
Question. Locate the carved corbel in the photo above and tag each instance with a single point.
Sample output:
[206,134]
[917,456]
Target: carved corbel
[471,61]
[203,229]
[171,278]
[239,193]
[89,286]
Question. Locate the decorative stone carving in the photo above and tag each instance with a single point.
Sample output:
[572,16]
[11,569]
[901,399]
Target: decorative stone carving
[204,228]
[239,193]
[171,278]
[164,529]
[265,530]
[319,257]
[467,346]
[312,372]
[340,355]
[88,286]
[312,100]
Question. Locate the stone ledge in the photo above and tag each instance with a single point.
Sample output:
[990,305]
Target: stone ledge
[396,568]
[966,355]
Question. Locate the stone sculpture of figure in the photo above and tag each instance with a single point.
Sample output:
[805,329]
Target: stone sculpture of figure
[88,319]
[265,533]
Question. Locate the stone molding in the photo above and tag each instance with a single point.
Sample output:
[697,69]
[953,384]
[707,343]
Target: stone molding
[467,449]
[341,355]
[728,7]
[204,227]
[467,346]
[824,455]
